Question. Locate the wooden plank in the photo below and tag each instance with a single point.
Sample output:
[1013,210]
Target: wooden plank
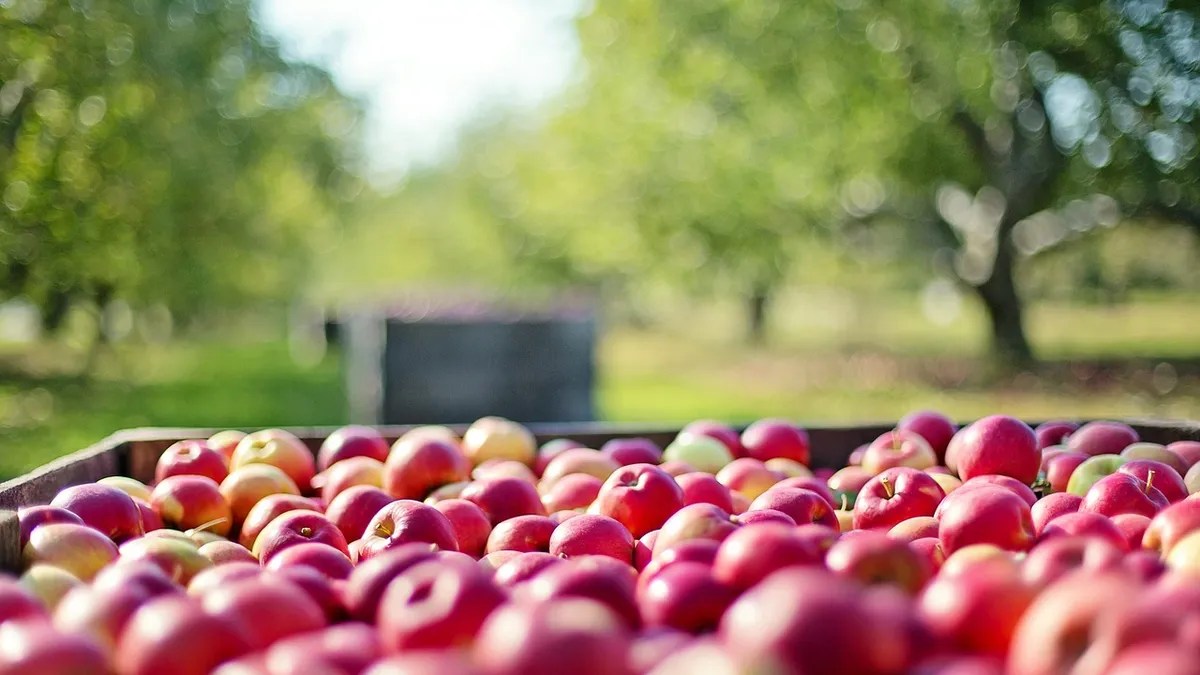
[10,542]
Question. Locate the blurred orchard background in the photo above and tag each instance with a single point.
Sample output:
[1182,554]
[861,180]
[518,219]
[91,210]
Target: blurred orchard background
[833,210]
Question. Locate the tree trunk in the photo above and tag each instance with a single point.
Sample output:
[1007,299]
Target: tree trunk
[757,305]
[1006,313]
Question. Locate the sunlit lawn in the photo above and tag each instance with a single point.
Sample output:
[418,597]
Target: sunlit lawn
[873,363]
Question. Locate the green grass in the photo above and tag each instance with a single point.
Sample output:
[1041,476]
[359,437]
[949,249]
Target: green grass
[871,360]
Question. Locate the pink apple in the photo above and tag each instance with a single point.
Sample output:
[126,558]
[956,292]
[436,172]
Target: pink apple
[354,508]
[575,491]
[770,438]
[998,445]
[521,534]
[269,508]
[470,524]
[419,464]
[188,501]
[804,506]
[406,521]
[639,496]
[703,488]
[578,460]
[1052,506]
[104,508]
[431,606]
[523,567]
[912,529]
[225,442]
[1058,469]
[678,467]
[1158,453]
[1102,438]
[297,527]
[245,487]
[592,535]
[18,603]
[985,515]
[694,521]
[1188,451]
[1054,433]
[598,578]
[173,634]
[930,550]
[717,431]
[977,610]
[686,597]
[366,584]
[533,639]
[324,558]
[1132,527]
[346,474]
[934,427]
[278,448]
[191,458]
[895,495]
[550,450]
[222,552]
[266,609]
[1159,475]
[1172,524]
[213,578]
[345,648]
[751,554]
[764,516]
[814,483]
[352,441]
[873,557]
[32,516]
[1123,493]
[626,451]
[37,647]
[1007,482]
[748,476]
[504,498]
[848,482]
[504,468]
[1083,524]
[898,448]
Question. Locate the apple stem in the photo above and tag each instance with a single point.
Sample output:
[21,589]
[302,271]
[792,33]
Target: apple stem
[1149,480]
[887,487]
[205,526]
[845,502]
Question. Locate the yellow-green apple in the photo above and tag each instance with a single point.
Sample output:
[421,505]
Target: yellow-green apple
[403,522]
[265,609]
[550,450]
[703,488]
[803,505]
[367,582]
[278,448]
[419,464]
[1188,451]
[431,606]
[191,457]
[38,647]
[1160,475]
[875,558]
[718,431]
[1052,506]
[48,583]
[700,452]
[1184,557]
[985,515]
[503,468]
[30,517]
[895,495]
[504,498]
[912,529]
[103,507]
[1158,453]
[694,521]
[625,451]
[499,438]
[180,560]
[470,524]
[590,534]
[1055,558]
[1102,438]
[222,552]
[523,567]
[770,438]
[788,467]
[352,441]
[521,534]
[578,460]
[574,491]
[297,527]
[78,549]
[1192,479]
[978,609]
[225,442]
[1091,470]
[17,603]
[188,501]
[751,554]
[1060,466]
[639,496]
[1123,493]
[519,638]
[354,507]
[1054,432]
[269,508]
[246,486]
[934,427]
[1171,525]
[998,445]
[898,448]
[130,486]
[686,597]
[321,557]
[748,476]
[947,482]
[598,578]
[348,473]
[848,482]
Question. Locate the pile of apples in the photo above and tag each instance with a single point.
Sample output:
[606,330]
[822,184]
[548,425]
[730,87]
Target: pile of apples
[994,548]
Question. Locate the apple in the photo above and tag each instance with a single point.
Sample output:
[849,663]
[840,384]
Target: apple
[597,578]
[948,483]
[1060,467]
[324,558]
[78,549]
[353,508]
[431,606]
[1007,482]
[703,488]
[130,486]
[1172,524]
[186,501]
[998,445]
[150,518]
[504,498]
[874,557]
[639,496]
[718,431]
[701,452]
[578,460]
[977,610]
[930,550]
[418,465]
[225,442]
[813,483]
[246,486]
[934,427]
[278,448]
[144,576]
[592,535]
[804,506]
[98,614]
[1185,555]
[346,474]
[299,527]
[898,448]
[912,529]
[790,468]
[685,596]
[33,516]
[550,450]
[1188,451]
[173,634]
[523,567]
[643,550]
[104,508]
[345,648]
[626,451]
[694,521]
[703,551]
[1159,475]
[985,515]
[364,589]
[848,482]
[37,647]
[764,516]
[191,458]
[406,521]
[770,438]
[573,491]
[48,583]
[352,441]
[265,609]
[1092,470]
[450,491]
[522,534]
[18,603]
[1158,453]
[179,559]
[1192,479]
[751,554]
[1055,558]
[1153,657]
[533,639]
[1123,493]
[1132,527]
[504,468]
[1053,432]
[491,562]
[470,524]
[1102,438]
[498,438]
[895,495]
[269,508]
[1052,506]
[678,467]
[222,552]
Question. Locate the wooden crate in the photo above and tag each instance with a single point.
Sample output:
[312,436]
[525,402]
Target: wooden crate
[135,452]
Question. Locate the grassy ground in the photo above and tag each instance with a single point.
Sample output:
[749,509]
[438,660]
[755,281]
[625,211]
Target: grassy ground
[830,362]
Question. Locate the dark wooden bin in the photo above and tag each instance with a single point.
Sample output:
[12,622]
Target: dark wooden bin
[135,452]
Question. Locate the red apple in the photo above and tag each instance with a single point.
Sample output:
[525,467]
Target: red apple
[173,634]
[352,441]
[750,554]
[1158,475]
[685,596]
[978,609]
[297,527]
[278,448]
[643,550]
[104,508]
[598,578]
[523,567]
[1154,657]
[694,521]
[269,508]
[99,614]
[934,427]
[1058,469]
[804,506]
[998,445]
[639,496]
[1007,482]
[180,559]
[930,550]
[764,516]
[420,464]
[575,491]
[550,450]
[678,467]
[265,609]
[912,529]
[578,460]
[187,501]
[213,578]
[504,498]
[32,516]
[533,639]
[1052,506]
[150,518]
[346,474]
[366,584]
[1123,493]
[1133,528]
[78,549]
[814,483]
[1102,438]
[37,647]
[225,442]
[431,606]
[321,557]
[1055,558]
[985,515]
[770,438]
[493,561]
[18,603]
[848,482]
[470,524]
[191,458]
[354,508]
[898,448]
[346,648]
[703,488]
[522,534]
[895,495]
[406,521]
[1171,525]
[592,535]
[1054,433]
[145,577]
[874,557]
[1188,451]
[748,476]
[702,551]
[246,486]
[626,451]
